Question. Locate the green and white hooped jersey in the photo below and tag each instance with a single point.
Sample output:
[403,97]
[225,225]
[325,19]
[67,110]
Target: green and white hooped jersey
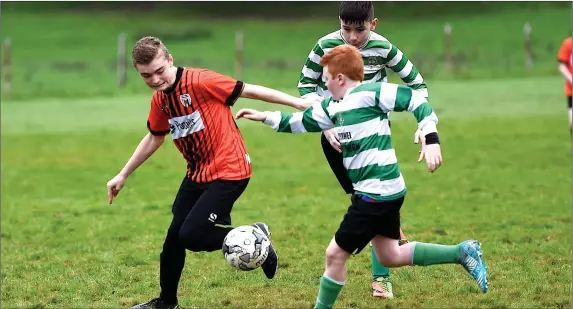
[378,54]
[361,119]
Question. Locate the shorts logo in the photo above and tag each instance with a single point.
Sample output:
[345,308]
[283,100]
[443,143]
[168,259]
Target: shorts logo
[248,158]
[185,99]
[212,217]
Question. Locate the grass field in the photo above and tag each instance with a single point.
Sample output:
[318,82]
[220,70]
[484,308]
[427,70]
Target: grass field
[75,54]
[506,180]
[66,129]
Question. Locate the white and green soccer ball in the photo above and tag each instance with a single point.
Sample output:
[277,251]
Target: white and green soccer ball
[246,247]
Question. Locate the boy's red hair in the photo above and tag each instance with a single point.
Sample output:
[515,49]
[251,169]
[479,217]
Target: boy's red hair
[344,59]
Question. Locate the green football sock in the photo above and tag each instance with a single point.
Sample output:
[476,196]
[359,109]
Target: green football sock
[378,270]
[328,293]
[431,254]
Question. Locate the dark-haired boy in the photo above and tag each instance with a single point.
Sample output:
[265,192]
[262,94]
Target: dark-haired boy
[357,25]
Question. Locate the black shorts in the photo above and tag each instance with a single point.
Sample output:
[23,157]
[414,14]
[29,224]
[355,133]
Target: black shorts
[208,201]
[569,101]
[365,220]
[199,207]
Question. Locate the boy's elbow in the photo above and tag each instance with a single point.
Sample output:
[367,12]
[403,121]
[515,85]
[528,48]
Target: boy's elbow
[158,139]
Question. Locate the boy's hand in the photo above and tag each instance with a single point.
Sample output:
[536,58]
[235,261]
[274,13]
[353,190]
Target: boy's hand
[433,155]
[419,138]
[306,102]
[114,186]
[251,114]
[332,138]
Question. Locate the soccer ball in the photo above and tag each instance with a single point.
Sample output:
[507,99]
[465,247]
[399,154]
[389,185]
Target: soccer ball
[246,247]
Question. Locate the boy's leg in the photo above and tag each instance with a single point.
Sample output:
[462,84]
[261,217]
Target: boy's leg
[209,221]
[381,284]
[354,233]
[386,218]
[207,225]
[335,161]
[334,276]
[172,258]
[391,254]
[467,253]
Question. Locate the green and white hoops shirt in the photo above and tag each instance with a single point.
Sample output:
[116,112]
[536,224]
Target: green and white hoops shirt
[361,119]
[378,54]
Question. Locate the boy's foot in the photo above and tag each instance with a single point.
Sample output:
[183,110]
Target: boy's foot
[471,258]
[156,303]
[382,287]
[271,264]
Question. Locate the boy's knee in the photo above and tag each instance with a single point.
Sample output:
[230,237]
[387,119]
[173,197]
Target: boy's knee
[335,255]
[193,239]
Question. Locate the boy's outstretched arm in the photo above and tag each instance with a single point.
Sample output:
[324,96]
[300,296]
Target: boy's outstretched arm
[400,98]
[262,93]
[313,119]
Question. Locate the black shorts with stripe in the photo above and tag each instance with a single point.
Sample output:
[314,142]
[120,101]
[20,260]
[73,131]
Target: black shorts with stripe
[366,219]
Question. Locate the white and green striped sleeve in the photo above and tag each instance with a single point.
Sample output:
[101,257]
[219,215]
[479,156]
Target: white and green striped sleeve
[311,74]
[313,119]
[399,98]
[405,69]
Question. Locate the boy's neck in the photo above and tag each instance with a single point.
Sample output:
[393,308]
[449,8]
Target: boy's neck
[350,85]
[173,75]
[177,72]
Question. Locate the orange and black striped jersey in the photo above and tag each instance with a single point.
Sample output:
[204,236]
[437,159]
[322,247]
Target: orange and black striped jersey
[564,56]
[196,110]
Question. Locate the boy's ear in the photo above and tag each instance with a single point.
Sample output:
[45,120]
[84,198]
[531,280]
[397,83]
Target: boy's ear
[373,24]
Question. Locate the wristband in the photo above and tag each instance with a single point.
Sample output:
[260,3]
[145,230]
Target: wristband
[432,138]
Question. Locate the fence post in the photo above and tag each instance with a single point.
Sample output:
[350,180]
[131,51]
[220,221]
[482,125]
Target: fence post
[121,60]
[448,55]
[239,48]
[527,45]
[7,66]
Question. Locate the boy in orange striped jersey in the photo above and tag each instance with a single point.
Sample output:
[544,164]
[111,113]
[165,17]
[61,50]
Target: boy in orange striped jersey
[194,105]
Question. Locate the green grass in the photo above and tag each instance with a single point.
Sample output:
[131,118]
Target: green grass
[74,54]
[505,181]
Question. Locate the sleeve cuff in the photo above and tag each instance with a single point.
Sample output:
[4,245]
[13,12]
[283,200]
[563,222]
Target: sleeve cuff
[165,132]
[273,119]
[429,127]
[231,99]
[311,95]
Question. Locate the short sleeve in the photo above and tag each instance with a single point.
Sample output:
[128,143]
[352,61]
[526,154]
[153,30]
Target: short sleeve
[221,87]
[158,121]
[565,51]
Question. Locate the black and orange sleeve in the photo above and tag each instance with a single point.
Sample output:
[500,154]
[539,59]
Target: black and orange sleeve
[221,87]
[158,120]
[564,55]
